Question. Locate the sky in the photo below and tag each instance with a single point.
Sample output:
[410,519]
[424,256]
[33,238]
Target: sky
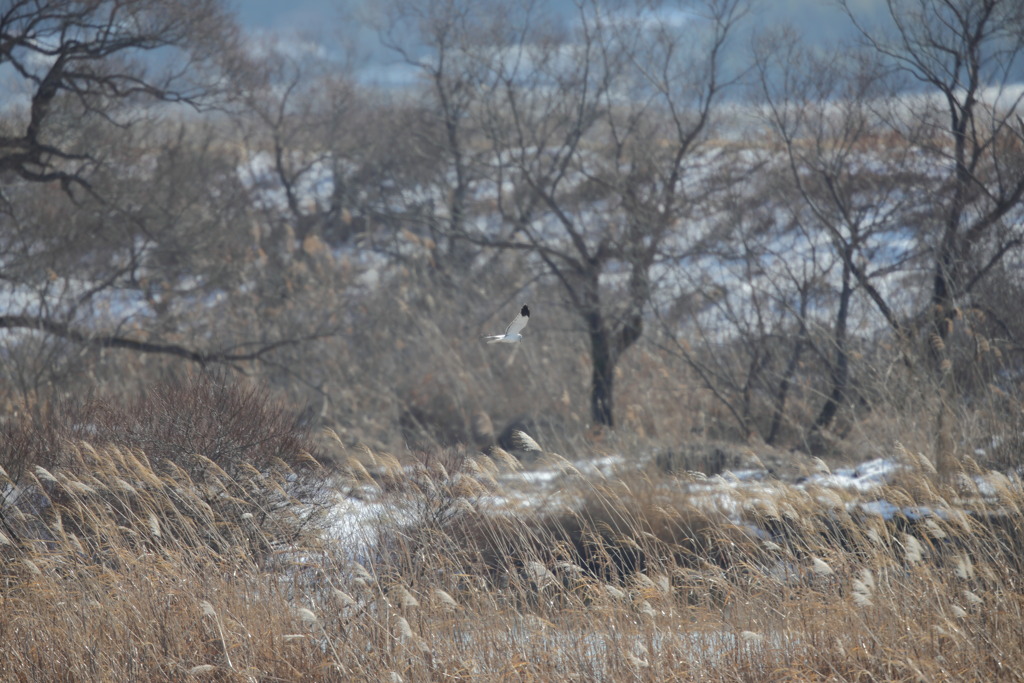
[291,15]
[817,19]
[330,25]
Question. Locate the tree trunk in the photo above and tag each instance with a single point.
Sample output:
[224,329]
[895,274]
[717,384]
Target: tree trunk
[787,378]
[942,318]
[603,371]
[783,392]
[608,341]
[840,374]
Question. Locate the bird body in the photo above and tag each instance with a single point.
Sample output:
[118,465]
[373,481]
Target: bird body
[513,331]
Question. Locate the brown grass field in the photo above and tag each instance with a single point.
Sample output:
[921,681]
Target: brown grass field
[129,553]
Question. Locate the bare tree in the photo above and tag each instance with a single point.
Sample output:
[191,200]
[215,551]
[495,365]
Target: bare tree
[150,232]
[587,133]
[657,168]
[746,311]
[452,57]
[965,54]
[100,59]
[852,181]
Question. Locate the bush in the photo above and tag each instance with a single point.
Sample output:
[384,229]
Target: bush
[208,463]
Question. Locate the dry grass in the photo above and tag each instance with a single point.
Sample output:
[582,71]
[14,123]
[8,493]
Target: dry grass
[121,566]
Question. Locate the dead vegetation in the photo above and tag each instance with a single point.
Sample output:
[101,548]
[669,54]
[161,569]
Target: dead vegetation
[122,562]
[821,267]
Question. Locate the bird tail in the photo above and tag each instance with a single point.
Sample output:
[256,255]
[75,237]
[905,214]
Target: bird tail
[494,339]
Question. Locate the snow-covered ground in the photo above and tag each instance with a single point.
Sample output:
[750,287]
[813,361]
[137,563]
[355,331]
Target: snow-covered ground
[732,492]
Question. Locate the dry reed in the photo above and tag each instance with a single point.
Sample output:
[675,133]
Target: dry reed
[118,565]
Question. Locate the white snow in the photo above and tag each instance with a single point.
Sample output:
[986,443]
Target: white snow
[863,477]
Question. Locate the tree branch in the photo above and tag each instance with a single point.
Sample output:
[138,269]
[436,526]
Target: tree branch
[113,341]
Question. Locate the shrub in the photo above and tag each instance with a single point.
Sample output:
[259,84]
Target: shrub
[204,461]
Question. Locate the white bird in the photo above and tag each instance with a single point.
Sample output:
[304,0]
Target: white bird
[512,332]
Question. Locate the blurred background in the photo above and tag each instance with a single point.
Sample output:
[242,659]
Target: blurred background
[793,225]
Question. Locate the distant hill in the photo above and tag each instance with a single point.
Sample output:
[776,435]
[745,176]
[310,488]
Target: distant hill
[818,20]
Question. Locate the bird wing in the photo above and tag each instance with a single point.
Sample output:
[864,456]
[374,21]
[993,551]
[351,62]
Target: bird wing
[517,325]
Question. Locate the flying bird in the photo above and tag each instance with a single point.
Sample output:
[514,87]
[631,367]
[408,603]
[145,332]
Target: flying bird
[512,332]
